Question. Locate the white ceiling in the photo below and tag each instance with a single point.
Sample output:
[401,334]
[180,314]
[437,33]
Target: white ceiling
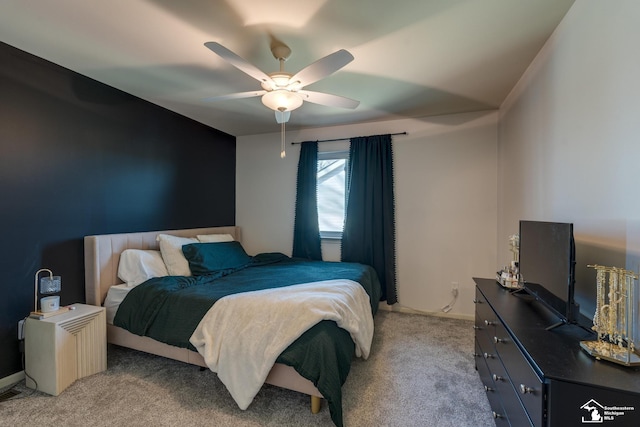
[413,58]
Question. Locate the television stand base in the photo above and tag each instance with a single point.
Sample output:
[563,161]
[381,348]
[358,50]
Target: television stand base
[556,325]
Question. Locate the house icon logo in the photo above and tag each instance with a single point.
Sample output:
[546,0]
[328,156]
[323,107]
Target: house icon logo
[595,412]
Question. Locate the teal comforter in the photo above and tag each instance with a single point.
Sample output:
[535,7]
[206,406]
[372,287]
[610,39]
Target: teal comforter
[168,309]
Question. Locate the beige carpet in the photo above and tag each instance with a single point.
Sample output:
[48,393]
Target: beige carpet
[420,373]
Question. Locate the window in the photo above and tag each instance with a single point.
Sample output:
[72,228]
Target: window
[332,167]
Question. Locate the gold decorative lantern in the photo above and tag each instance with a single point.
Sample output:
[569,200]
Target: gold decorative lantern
[615,316]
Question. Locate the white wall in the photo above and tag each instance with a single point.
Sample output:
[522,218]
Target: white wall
[569,138]
[446,201]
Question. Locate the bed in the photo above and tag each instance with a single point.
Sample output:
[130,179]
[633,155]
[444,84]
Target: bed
[102,259]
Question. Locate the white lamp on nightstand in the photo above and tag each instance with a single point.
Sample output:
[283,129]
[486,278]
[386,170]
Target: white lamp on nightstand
[48,286]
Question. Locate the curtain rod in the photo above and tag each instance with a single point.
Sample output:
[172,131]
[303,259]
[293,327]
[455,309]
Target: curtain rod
[346,139]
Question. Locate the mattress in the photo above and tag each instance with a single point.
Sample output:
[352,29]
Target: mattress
[115,295]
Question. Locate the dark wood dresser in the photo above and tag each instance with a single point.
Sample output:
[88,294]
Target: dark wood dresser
[540,377]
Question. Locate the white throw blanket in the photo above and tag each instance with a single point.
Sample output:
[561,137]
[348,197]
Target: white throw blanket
[242,335]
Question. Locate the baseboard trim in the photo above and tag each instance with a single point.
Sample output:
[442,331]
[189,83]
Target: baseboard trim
[11,379]
[401,309]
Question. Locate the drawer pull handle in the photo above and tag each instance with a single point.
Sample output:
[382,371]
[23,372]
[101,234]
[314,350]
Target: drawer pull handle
[488,356]
[497,378]
[476,327]
[477,301]
[476,355]
[499,340]
[496,415]
[487,389]
[524,389]
[489,323]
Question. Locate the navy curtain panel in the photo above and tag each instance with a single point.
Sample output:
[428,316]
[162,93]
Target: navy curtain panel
[369,231]
[306,232]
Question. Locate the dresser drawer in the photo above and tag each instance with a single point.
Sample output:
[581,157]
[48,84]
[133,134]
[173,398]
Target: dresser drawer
[527,384]
[489,386]
[485,342]
[513,411]
[486,318]
[498,375]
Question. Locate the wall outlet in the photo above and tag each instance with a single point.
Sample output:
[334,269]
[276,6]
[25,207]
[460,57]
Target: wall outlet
[454,289]
[21,329]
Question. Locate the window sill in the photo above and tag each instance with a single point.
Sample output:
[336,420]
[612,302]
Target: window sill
[330,236]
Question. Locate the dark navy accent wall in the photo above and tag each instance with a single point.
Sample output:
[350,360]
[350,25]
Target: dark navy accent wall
[78,157]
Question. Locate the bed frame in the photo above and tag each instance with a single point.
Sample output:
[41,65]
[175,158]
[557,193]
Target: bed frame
[102,255]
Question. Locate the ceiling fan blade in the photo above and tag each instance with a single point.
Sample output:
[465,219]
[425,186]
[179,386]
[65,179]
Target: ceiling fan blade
[323,67]
[237,61]
[238,95]
[328,99]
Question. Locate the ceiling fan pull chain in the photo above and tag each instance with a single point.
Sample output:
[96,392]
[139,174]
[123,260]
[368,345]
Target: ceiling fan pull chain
[282,146]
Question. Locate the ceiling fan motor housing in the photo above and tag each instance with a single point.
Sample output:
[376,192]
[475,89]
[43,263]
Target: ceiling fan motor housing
[279,80]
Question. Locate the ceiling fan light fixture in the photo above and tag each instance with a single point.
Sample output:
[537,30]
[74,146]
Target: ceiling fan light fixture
[282,100]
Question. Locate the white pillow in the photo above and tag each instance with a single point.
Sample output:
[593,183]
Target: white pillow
[215,238]
[137,266]
[171,250]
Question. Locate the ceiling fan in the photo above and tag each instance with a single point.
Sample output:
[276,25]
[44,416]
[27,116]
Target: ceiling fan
[281,90]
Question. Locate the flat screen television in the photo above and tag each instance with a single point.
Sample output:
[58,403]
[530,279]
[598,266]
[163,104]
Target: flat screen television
[547,267]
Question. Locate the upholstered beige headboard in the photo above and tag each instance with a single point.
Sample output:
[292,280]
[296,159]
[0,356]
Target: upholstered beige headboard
[102,255]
